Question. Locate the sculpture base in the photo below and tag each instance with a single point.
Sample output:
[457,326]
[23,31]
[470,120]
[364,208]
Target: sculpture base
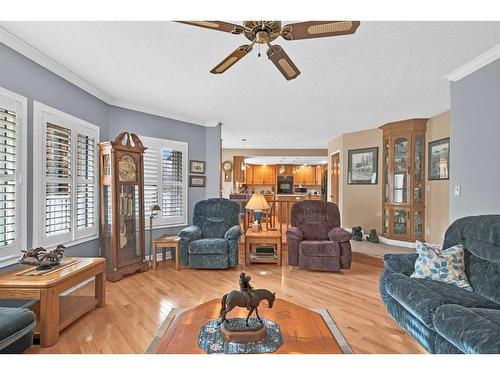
[211,341]
[237,331]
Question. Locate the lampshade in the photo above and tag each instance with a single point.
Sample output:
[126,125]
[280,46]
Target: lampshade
[257,202]
[154,209]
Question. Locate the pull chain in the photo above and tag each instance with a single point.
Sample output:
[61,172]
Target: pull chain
[259,51]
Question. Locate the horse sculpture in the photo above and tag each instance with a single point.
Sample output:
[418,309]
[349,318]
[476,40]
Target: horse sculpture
[238,299]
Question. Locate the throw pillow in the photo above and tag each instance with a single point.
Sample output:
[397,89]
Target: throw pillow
[447,266]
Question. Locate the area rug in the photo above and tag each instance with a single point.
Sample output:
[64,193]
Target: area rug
[332,326]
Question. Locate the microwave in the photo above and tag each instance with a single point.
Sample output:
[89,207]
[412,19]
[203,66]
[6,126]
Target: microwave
[300,190]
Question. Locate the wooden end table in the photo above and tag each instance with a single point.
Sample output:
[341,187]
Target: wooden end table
[263,237]
[56,312]
[164,241]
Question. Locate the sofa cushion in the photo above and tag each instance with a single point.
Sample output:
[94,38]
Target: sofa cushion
[315,231]
[422,297]
[319,248]
[14,324]
[472,330]
[208,246]
[443,265]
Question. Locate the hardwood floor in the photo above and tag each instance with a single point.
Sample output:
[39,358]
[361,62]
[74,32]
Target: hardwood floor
[137,305]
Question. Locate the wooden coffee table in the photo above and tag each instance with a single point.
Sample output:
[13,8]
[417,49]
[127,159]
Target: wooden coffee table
[303,330]
[262,237]
[55,312]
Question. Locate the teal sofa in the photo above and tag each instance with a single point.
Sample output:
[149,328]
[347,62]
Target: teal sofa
[444,318]
[212,242]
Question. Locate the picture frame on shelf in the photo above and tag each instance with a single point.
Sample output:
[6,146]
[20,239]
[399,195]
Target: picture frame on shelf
[439,159]
[197,166]
[197,181]
[363,166]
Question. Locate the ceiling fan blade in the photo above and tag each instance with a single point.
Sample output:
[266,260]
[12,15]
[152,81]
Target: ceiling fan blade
[232,59]
[318,29]
[284,64]
[217,25]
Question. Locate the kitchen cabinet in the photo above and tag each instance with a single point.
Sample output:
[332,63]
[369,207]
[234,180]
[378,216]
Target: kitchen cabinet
[305,175]
[284,169]
[238,173]
[319,174]
[261,174]
[403,179]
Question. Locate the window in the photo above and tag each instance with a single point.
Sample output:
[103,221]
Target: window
[12,179]
[65,170]
[165,180]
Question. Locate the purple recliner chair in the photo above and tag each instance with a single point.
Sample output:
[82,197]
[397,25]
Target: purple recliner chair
[315,239]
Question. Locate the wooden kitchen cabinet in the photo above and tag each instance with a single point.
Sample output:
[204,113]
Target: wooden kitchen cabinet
[319,174]
[261,174]
[238,173]
[305,175]
[249,174]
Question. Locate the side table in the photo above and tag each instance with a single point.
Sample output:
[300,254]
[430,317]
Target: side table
[166,240]
[263,237]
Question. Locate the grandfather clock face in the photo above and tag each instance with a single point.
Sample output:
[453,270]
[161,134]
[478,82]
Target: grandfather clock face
[127,169]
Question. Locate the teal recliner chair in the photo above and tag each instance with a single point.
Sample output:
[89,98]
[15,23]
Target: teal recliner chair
[212,242]
[444,318]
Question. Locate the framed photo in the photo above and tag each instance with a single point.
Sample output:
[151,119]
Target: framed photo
[197,166]
[197,181]
[439,159]
[363,166]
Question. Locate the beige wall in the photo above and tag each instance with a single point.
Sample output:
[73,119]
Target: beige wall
[362,204]
[437,193]
[228,153]
[359,204]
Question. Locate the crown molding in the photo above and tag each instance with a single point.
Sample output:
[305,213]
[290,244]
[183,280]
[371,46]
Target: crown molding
[43,60]
[475,64]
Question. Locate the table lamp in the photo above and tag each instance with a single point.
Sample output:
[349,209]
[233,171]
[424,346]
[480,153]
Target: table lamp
[257,203]
[154,210]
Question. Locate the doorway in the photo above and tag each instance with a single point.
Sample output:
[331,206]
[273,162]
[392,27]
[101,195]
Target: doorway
[335,178]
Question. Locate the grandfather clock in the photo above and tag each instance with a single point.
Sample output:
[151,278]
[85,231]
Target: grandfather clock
[122,205]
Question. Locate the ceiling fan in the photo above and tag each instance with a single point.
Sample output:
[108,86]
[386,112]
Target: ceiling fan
[264,32]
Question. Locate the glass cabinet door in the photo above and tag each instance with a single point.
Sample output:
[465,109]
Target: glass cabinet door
[418,224]
[128,242]
[385,222]
[400,220]
[418,188]
[400,183]
[387,188]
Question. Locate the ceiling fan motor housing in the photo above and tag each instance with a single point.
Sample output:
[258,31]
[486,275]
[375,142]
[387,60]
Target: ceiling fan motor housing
[262,32]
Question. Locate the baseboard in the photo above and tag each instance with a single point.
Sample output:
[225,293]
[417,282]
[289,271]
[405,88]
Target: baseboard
[388,241]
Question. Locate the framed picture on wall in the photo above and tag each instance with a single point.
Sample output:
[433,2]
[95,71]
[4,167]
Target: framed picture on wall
[197,181]
[197,166]
[363,166]
[439,159]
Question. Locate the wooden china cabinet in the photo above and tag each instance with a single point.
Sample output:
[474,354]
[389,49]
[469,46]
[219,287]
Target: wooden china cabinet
[122,205]
[403,192]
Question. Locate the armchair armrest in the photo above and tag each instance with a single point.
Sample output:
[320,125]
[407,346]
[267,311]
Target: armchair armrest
[295,233]
[190,233]
[339,235]
[400,263]
[233,233]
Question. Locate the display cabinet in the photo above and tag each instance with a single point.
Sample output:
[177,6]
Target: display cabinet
[122,205]
[403,192]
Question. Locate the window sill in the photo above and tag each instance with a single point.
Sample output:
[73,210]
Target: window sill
[163,226]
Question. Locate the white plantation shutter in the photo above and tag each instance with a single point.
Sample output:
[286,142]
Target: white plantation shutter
[65,167]
[8,156]
[151,172]
[58,180]
[12,196]
[165,180]
[86,182]
[172,183]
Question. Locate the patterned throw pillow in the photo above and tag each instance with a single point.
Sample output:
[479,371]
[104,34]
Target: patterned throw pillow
[447,266]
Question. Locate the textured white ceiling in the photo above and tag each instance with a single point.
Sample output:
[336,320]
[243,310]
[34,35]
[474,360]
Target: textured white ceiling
[385,72]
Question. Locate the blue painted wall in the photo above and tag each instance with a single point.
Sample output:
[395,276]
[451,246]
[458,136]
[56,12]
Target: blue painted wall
[27,78]
[475,140]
